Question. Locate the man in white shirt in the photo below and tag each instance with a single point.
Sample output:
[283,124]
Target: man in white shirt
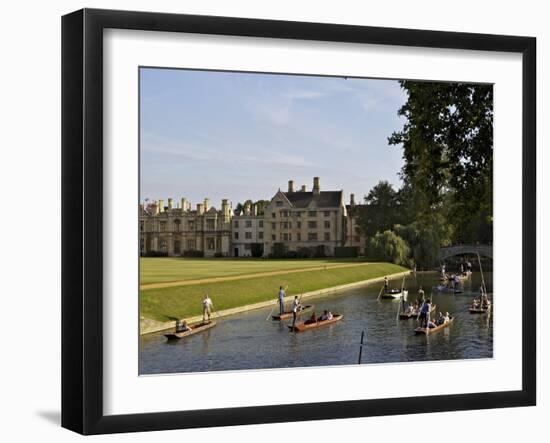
[207,306]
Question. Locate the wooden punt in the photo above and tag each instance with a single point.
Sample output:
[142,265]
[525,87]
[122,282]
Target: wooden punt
[304,325]
[394,293]
[404,316]
[428,331]
[288,314]
[480,310]
[195,329]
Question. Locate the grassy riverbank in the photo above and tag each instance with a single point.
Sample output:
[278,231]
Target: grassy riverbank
[170,269]
[164,304]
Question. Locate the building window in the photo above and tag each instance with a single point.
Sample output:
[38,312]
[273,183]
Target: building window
[287,237]
[142,226]
[236,223]
[210,244]
[218,243]
[273,237]
[284,213]
[312,214]
[248,235]
[312,236]
[299,224]
[177,247]
[299,236]
[177,225]
[261,224]
[273,215]
[287,225]
[279,203]
[298,214]
[162,226]
[210,224]
[163,245]
[142,244]
[327,224]
[191,225]
[191,245]
[236,235]
[327,236]
[261,235]
[248,246]
[326,213]
[274,226]
[248,224]
[312,224]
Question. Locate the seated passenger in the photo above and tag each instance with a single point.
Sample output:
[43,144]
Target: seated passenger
[312,319]
[329,315]
[431,324]
[324,316]
[447,317]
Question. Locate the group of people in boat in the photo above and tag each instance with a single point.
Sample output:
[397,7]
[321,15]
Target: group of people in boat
[424,316]
[483,301]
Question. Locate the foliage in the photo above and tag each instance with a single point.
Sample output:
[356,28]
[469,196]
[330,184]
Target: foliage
[154,254]
[447,145]
[424,244]
[389,247]
[346,251]
[257,249]
[192,253]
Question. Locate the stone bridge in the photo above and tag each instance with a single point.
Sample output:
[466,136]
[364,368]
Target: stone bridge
[485,250]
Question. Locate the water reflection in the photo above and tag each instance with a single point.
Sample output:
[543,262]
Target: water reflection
[248,341]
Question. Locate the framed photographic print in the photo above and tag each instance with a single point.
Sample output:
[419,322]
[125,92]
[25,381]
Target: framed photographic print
[269,221]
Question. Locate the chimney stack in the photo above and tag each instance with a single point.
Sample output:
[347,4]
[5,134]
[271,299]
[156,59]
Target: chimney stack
[352,199]
[291,186]
[183,204]
[303,188]
[161,205]
[200,208]
[206,204]
[170,203]
[316,185]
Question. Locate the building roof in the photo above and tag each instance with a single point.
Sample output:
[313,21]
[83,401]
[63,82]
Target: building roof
[325,199]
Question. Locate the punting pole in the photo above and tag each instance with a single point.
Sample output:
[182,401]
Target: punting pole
[271,312]
[482,278]
[380,293]
[361,345]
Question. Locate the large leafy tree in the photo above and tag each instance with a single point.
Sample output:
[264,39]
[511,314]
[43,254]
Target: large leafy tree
[380,211]
[447,145]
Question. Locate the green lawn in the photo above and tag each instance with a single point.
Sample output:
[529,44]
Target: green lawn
[167,269]
[185,301]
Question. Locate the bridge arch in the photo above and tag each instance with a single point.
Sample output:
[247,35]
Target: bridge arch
[450,251]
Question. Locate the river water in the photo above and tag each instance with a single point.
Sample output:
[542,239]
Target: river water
[248,341]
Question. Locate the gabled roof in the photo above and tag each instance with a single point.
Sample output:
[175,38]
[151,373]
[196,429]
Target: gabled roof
[325,199]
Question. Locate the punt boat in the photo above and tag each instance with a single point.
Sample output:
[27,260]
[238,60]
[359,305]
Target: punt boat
[195,329]
[429,331]
[308,324]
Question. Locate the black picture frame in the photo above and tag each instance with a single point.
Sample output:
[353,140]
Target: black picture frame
[82,218]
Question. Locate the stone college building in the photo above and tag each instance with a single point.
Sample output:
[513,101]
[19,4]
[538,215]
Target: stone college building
[294,223]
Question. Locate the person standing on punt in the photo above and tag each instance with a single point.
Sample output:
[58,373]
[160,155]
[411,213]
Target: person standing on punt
[296,307]
[207,306]
[281,300]
[425,313]
[385,285]
[421,294]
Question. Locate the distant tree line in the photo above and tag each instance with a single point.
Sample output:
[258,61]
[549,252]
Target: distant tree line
[446,197]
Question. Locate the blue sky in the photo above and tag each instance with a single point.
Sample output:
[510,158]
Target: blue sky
[240,136]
